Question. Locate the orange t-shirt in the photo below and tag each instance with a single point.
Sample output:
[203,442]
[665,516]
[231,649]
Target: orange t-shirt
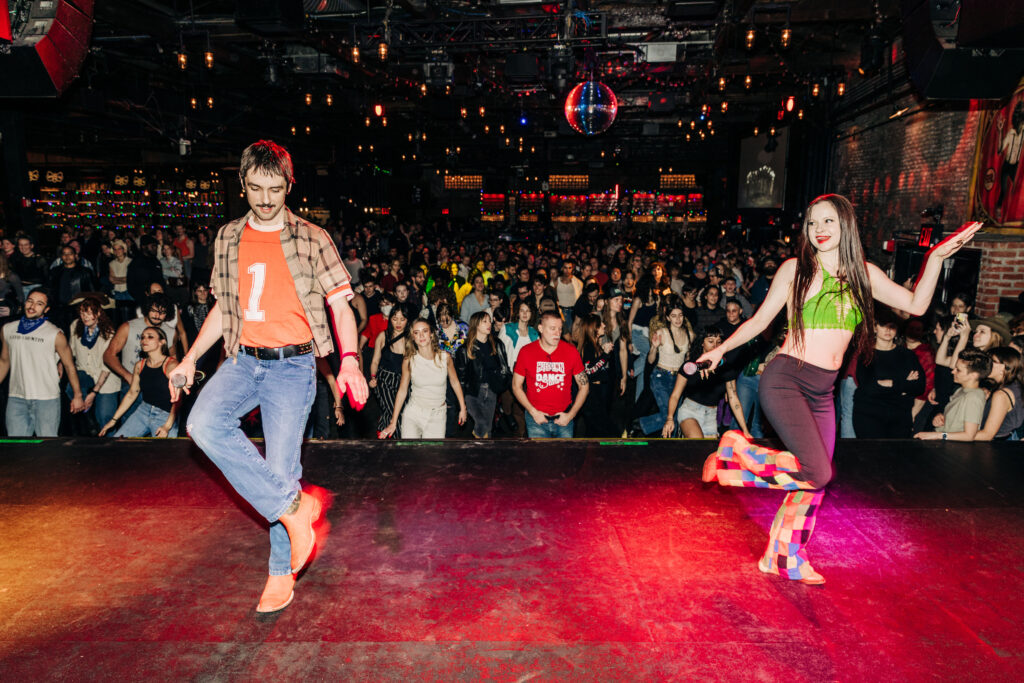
[272,314]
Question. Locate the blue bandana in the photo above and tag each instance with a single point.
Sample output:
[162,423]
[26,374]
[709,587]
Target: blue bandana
[25,325]
[90,336]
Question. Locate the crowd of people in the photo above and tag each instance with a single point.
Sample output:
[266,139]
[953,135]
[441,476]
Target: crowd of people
[461,335]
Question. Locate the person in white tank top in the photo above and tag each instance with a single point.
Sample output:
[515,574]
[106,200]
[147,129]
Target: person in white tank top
[425,371]
[669,345]
[32,347]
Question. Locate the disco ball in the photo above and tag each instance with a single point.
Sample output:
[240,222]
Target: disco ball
[590,108]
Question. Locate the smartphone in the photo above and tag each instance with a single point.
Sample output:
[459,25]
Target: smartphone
[961,318]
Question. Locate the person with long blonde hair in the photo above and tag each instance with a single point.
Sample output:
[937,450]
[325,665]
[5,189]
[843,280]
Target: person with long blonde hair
[827,290]
[426,370]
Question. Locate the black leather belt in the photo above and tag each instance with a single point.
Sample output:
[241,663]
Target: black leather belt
[279,352]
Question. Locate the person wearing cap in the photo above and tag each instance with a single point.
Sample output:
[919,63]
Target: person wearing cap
[271,275]
[144,268]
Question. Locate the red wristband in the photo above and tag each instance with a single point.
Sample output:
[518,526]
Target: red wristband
[349,353]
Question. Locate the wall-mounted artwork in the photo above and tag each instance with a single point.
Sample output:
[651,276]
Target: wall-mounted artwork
[762,181]
[996,186]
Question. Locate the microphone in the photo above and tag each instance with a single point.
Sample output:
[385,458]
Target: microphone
[178,381]
[692,368]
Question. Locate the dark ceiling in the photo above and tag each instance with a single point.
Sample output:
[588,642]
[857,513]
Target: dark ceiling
[287,65]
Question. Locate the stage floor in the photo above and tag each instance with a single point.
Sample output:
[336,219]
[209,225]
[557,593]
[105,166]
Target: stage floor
[511,561]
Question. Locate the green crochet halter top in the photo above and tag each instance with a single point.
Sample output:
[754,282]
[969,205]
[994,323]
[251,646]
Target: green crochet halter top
[832,308]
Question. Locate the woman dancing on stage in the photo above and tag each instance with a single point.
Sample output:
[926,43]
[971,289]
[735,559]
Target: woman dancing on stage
[828,290]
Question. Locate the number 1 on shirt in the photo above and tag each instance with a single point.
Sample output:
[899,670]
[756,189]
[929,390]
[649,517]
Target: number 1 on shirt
[259,280]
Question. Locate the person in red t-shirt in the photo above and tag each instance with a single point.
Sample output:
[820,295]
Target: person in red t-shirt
[541,381]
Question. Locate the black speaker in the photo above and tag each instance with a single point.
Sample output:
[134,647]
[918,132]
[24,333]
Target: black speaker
[48,43]
[987,24]
[270,17]
[521,67]
[940,69]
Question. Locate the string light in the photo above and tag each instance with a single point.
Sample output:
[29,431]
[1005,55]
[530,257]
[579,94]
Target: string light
[721,83]
[423,89]
[195,103]
[725,106]
[756,131]
[182,60]
[384,121]
[750,38]
[367,121]
[787,35]
[747,82]
[293,130]
[841,88]
[307,130]
[800,114]
[462,112]
[329,99]
[355,54]
[482,110]
[208,58]
[309,99]
[815,90]
[382,52]
[209,102]
[693,124]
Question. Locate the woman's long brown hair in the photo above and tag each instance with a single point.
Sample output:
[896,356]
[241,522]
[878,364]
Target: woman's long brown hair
[853,273]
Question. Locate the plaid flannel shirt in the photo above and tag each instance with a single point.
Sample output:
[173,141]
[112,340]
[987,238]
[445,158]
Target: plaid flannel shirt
[315,266]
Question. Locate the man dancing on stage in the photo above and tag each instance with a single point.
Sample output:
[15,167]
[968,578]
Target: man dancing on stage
[271,274]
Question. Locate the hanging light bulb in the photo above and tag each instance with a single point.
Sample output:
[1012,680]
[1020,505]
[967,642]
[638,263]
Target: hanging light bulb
[750,38]
[790,103]
[182,60]
[307,130]
[787,35]
[487,129]
[482,110]
[382,51]
[462,112]
[815,90]
[423,89]
[502,129]
[309,99]
[424,137]
[410,137]
[687,137]
[693,124]
[756,131]
[747,82]
[679,123]
[360,148]
[367,121]
[721,83]
[800,114]
[725,106]
[208,59]
[355,54]
[384,121]
[458,150]
[841,88]
[771,131]
[209,102]
[329,99]
[293,130]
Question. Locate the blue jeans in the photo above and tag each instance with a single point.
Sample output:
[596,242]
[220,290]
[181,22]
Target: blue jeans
[641,345]
[846,389]
[567,315]
[662,383]
[284,390]
[103,406]
[548,430]
[746,389]
[30,417]
[144,421]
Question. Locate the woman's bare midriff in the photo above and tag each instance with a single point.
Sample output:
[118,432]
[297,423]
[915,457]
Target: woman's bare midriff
[824,348]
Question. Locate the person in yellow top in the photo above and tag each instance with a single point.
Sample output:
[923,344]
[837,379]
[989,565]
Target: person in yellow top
[829,290]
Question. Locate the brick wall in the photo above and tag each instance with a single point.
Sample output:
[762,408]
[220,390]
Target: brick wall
[1002,271]
[892,169]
